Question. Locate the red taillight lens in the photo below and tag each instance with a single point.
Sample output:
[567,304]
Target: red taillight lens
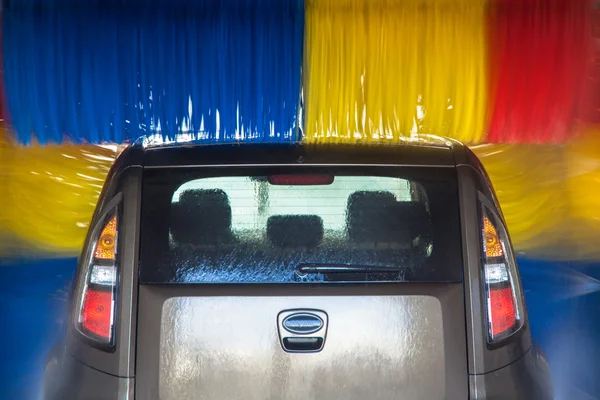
[502,288]
[96,313]
[502,311]
[97,307]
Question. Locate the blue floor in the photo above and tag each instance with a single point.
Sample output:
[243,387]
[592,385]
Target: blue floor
[563,300]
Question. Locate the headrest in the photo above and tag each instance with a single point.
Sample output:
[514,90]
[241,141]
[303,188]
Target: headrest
[201,217]
[379,217]
[415,216]
[295,230]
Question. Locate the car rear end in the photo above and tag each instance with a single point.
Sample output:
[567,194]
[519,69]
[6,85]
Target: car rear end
[373,251]
[247,273]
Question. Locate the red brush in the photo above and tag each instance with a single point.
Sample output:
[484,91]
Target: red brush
[542,56]
[2,101]
[592,96]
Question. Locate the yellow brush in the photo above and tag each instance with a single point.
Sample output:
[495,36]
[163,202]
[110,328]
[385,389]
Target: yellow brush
[379,70]
[530,183]
[583,192]
[48,195]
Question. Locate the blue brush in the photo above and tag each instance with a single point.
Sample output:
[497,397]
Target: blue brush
[114,75]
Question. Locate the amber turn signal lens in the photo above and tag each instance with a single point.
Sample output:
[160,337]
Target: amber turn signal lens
[493,247]
[106,245]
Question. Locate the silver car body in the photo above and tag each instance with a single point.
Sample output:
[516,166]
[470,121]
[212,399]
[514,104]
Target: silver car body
[421,340]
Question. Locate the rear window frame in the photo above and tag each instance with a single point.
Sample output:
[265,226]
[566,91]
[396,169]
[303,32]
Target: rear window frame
[169,179]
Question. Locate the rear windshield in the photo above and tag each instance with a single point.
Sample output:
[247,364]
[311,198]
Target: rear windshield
[300,225]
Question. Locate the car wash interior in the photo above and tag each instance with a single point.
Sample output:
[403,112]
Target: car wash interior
[518,81]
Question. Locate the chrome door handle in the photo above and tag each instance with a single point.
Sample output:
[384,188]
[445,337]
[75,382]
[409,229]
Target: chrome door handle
[302,330]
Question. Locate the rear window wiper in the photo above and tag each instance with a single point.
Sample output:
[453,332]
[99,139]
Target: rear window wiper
[307,268]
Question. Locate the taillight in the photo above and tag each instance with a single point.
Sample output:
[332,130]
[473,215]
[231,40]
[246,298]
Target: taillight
[96,313]
[97,307]
[502,288]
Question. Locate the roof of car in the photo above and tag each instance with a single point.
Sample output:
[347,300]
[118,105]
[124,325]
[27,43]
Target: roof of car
[427,150]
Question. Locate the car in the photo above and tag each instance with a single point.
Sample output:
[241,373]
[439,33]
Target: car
[298,271]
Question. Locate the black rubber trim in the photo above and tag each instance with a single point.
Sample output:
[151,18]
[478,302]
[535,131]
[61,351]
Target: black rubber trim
[510,363]
[96,369]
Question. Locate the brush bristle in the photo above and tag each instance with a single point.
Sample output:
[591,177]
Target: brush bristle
[379,70]
[220,74]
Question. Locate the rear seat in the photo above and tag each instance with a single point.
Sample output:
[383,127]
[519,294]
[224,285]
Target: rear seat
[202,218]
[295,231]
[376,220]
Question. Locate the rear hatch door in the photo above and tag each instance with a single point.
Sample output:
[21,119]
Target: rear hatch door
[303,283]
